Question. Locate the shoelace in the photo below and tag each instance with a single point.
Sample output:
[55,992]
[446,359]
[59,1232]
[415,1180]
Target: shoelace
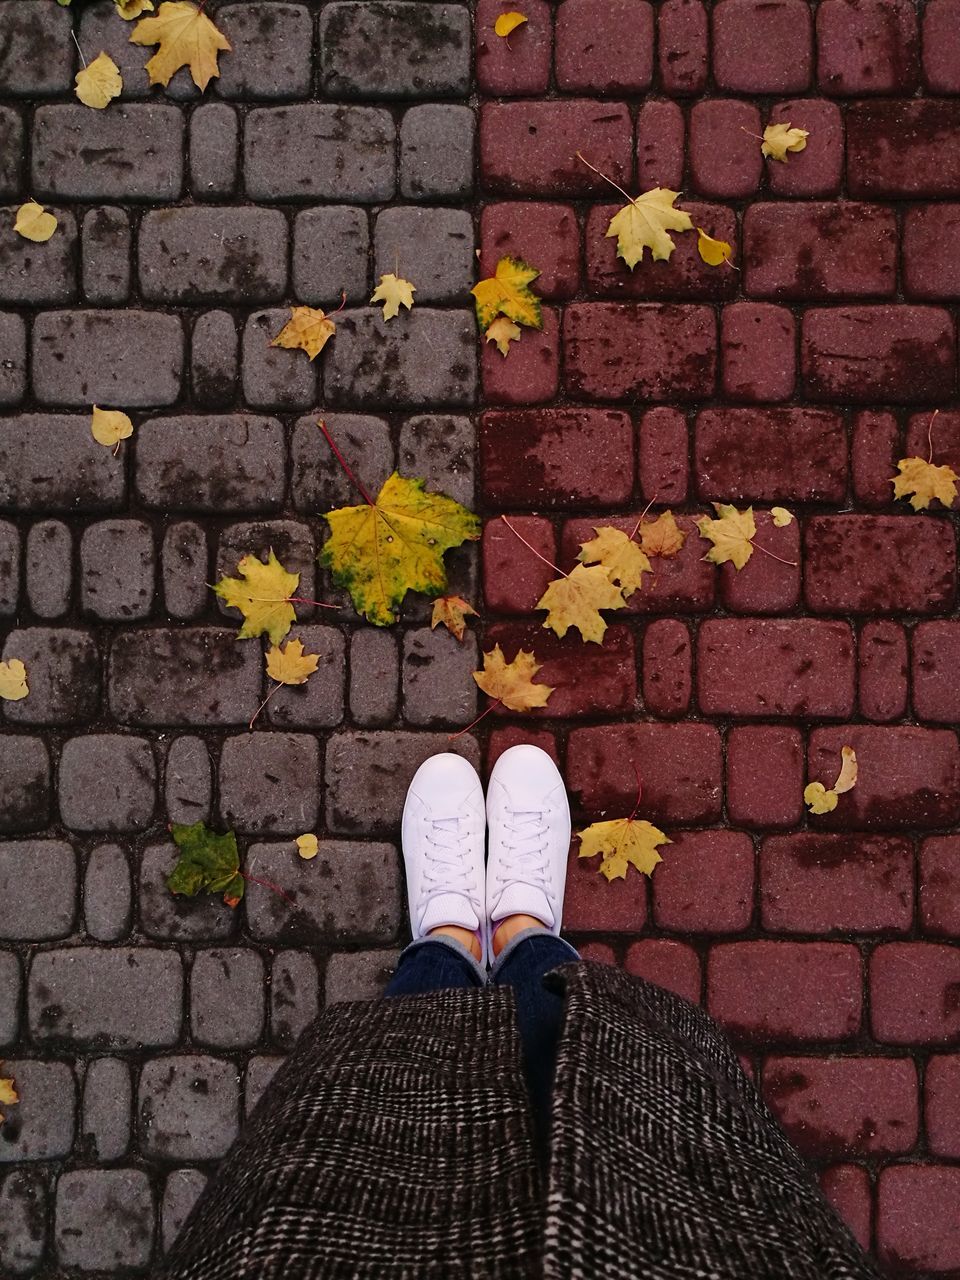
[444,869]
[529,849]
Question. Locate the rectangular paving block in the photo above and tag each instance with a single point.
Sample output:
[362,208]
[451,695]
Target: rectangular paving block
[898,147]
[529,148]
[51,462]
[106,250]
[271,50]
[819,250]
[38,273]
[111,358]
[320,150]
[205,255]
[134,151]
[36,52]
[38,889]
[599,679]
[771,455]
[878,565]
[11,151]
[41,1125]
[64,667]
[104,1219]
[899,354]
[188,1107]
[233,462]
[394,49]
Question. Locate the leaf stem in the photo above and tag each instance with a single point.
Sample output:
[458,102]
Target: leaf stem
[321,604]
[519,535]
[267,884]
[492,707]
[772,556]
[930,437]
[632,199]
[277,686]
[342,460]
[343,302]
[636,528]
[636,770]
[79,50]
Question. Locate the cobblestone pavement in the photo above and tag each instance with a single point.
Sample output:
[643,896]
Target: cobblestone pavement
[339,143]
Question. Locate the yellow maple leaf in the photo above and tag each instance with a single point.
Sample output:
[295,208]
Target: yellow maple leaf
[644,223]
[623,560]
[778,139]
[512,682]
[508,22]
[308,329]
[503,331]
[187,38]
[926,482]
[623,842]
[781,516]
[381,550]
[661,537]
[8,1093]
[261,593]
[130,9]
[33,222]
[713,252]
[508,292]
[730,534]
[823,800]
[290,665]
[308,846]
[392,291]
[13,680]
[99,83]
[575,601]
[452,611]
[110,426]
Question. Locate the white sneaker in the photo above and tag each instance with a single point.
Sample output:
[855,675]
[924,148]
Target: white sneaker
[443,836]
[528,837]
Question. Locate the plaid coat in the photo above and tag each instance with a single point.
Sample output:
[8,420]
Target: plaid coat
[396,1142]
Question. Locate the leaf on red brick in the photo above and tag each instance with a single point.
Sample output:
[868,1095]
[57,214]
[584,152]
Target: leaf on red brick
[623,560]
[926,482]
[713,252]
[661,537]
[507,292]
[730,534]
[576,601]
[452,611]
[623,842]
[503,331]
[644,223]
[778,139]
[781,516]
[208,863]
[512,682]
[508,22]
[822,799]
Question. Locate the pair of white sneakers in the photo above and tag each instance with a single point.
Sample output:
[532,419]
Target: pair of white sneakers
[526,819]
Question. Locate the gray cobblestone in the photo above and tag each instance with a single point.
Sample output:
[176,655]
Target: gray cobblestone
[99,29]
[292,544]
[48,568]
[41,1125]
[367,775]
[188,1107]
[107,1104]
[438,687]
[24,783]
[180,1193]
[106,893]
[9,567]
[374,677]
[185,561]
[9,1000]
[183,677]
[350,892]
[105,240]
[318,704]
[330,255]
[319,150]
[188,783]
[64,675]
[104,1219]
[436,152]
[260,1071]
[275,377]
[38,273]
[117,570]
[128,358]
[107,783]
[214,150]
[429,358]
[214,359]
[227,998]
[440,448]
[36,55]
[172,916]
[220,463]
[205,255]
[433,247]
[11,152]
[270,783]
[358,975]
[13,359]
[294,996]
[115,998]
[394,48]
[51,462]
[131,152]
[23,1222]
[271,50]
[38,890]
[318,481]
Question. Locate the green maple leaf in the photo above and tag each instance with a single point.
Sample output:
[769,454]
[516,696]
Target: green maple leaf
[209,863]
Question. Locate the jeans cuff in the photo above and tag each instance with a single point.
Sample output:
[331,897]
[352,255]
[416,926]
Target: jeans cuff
[514,942]
[445,940]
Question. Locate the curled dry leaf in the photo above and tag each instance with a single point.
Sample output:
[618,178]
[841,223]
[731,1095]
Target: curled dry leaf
[508,22]
[730,534]
[393,291]
[778,139]
[507,292]
[110,426]
[13,680]
[623,842]
[926,482]
[130,9]
[8,1093]
[512,682]
[822,799]
[261,593]
[661,537]
[781,516]
[308,329]
[99,83]
[623,560]
[452,611]
[644,223]
[187,38]
[208,863]
[33,222]
[503,331]
[290,665]
[576,601]
[308,845]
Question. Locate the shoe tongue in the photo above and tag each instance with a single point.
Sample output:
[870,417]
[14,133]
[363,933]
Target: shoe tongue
[449,908]
[524,899]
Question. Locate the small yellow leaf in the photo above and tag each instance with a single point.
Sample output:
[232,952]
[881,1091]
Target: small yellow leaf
[452,611]
[778,139]
[575,601]
[847,777]
[819,798]
[512,682]
[187,38]
[308,845]
[661,537]
[290,665]
[34,223]
[713,252]
[644,223]
[508,292]
[926,482]
[822,799]
[619,555]
[13,680]
[781,516]
[503,331]
[508,22]
[308,329]
[110,426]
[99,83]
[130,9]
[261,594]
[393,291]
[8,1093]
[623,842]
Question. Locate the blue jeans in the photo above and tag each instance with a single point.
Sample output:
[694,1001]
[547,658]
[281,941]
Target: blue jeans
[438,961]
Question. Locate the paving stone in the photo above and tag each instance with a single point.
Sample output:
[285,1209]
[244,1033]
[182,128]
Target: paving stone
[532,374]
[24,783]
[374,677]
[706,884]
[318,704]
[274,377]
[818,168]
[214,149]
[38,274]
[116,570]
[270,782]
[604,47]
[768,797]
[777,455]
[189,677]
[106,893]
[941,46]
[23,1221]
[50,462]
[107,1102]
[899,147]
[913,993]
[942,1112]
[601,680]
[218,463]
[766,585]
[188,1107]
[667,668]
[104,1219]
[11,151]
[682,46]
[330,255]
[10,984]
[9,567]
[660,136]
[226,999]
[724,161]
[848,1189]
[133,152]
[99,29]
[883,671]
[290,540]
[260,1071]
[534,229]
[13,360]
[358,975]
[866,47]
[945,431]
[172,916]
[106,998]
[759,47]
[323,151]
[180,1194]
[662,452]
[107,783]
[271,46]
[64,679]
[350,892]
[524,146]
[133,358]
[294,996]
[41,1125]
[439,448]
[668,964]
[214,364]
[106,241]
[587,908]
[318,482]
[185,560]
[437,683]
[205,255]
[37,57]
[513,584]
[908,1235]
[391,48]
[429,360]
[759,352]
[436,152]
[188,785]
[39,879]
[875,448]
[520,66]
[940,885]
[936,648]
[806,250]
[434,246]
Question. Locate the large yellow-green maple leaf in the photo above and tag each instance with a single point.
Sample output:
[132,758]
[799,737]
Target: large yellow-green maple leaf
[379,551]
